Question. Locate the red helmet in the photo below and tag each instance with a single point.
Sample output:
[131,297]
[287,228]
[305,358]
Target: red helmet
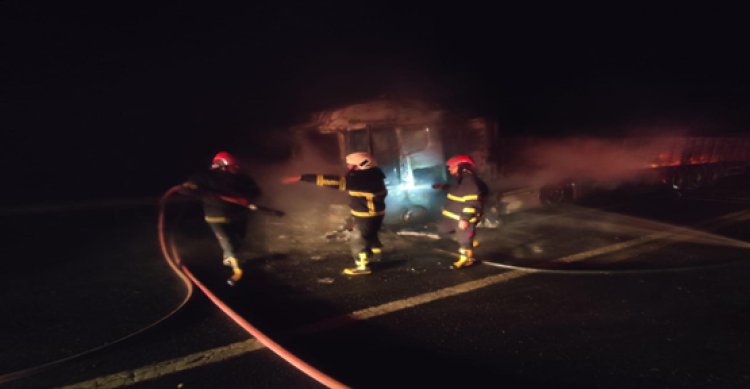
[457,160]
[223,158]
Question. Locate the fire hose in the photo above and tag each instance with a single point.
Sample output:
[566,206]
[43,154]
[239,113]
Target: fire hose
[13,376]
[172,256]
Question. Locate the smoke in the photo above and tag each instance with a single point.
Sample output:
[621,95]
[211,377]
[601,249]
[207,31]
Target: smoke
[306,159]
[606,161]
[311,211]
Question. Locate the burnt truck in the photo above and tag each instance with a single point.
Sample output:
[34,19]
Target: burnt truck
[675,163]
[412,139]
[409,139]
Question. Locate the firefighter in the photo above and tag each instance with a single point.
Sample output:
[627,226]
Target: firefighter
[227,194]
[463,207]
[365,185]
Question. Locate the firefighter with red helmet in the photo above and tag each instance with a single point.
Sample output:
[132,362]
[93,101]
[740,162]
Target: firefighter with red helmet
[365,184]
[463,207]
[226,194]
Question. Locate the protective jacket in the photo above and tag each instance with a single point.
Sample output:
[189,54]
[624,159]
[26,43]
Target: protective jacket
[366,189]
[465,199]
[212,183]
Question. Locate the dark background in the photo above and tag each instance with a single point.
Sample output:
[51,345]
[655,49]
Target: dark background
[116,99]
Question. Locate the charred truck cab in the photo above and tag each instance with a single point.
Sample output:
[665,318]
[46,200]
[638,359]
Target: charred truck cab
[408,140]
[412,159]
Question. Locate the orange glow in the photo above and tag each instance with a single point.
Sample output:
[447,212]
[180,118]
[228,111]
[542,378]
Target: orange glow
[701,159]
[664,159]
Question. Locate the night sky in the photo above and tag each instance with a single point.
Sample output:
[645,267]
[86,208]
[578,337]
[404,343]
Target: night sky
[112,99]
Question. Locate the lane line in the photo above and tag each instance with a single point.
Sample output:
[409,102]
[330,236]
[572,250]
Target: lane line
[410,302]
[161,369]
[678,234]
[130,377]
[157,370]
[695,236]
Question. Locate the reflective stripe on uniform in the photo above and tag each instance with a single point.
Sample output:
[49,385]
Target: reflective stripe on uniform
[365,194]
[454,216]
[320,180]
[370,203]
[367,214]
[451,215]
[469,210]
[216,219]
[463,199]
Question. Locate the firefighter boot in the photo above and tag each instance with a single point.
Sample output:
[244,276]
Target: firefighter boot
[465,259]
[377,254]
[236,271]
[361,268]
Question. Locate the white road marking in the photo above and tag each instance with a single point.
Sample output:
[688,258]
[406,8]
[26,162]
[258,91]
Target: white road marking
[409,302]
[675,234]
[130,377]
[160,369]
[157,370]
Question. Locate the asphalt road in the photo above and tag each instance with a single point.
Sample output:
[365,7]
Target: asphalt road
[623,291]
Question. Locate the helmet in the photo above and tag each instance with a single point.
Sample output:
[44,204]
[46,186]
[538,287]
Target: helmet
[361,160]
[223,158]
[461,159]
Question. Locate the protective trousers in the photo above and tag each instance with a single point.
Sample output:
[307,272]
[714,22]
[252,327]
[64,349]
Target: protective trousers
[465,238]
[365,236]
[230,234]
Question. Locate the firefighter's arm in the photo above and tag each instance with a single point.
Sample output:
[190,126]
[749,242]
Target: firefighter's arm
[190,188]
[328,180]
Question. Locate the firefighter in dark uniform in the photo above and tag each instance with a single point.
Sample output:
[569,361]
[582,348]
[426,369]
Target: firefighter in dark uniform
[463,207]
[365,184]
[227,195]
